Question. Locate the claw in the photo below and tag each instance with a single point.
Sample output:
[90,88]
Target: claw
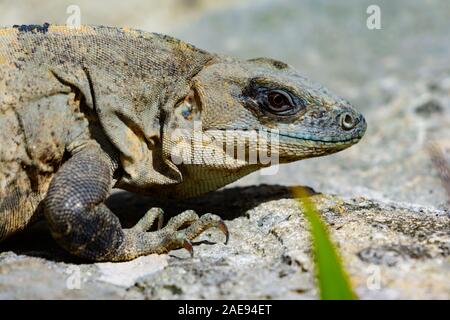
[188,246]
[223,227]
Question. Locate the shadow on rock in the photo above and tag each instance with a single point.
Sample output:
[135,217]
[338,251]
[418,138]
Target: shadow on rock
[229,203]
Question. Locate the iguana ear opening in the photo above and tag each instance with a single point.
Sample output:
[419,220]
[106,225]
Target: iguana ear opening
[186,111]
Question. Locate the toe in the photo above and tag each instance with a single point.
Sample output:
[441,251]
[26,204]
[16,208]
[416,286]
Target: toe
[185,218]
[205,222]
[146,222]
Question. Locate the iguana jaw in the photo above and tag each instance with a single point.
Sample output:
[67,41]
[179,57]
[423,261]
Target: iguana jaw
[282,147]
[298,144]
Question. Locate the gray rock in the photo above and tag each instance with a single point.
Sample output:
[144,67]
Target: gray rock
[390,250]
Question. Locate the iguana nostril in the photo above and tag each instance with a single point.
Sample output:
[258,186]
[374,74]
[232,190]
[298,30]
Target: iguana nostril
[347,121]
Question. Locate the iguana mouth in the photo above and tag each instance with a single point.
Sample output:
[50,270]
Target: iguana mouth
[324,140]
[339,137]
[347,138]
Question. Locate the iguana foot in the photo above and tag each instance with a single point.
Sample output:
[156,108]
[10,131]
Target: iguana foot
[139,242]
[82,224]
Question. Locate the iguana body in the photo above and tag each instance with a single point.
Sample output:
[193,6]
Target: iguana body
[84,110]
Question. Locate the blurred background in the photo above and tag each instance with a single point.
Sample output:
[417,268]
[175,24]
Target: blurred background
[398,76]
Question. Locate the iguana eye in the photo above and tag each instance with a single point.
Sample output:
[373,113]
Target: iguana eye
[279,101]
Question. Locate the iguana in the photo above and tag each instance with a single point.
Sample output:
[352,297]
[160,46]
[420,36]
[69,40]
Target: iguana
[83,110]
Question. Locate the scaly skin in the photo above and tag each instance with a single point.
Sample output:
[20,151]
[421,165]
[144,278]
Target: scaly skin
[85,110]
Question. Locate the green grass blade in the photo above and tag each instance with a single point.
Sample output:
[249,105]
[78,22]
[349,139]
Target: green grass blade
[331,277]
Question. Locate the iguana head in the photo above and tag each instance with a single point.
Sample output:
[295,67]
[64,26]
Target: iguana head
[260,107]
[191,121]
[234,117]
[264,95]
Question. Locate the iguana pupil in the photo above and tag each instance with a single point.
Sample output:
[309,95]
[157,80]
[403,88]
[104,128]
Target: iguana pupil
[278,101]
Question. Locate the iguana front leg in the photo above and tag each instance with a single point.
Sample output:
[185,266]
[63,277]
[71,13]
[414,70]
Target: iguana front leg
[82,224]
